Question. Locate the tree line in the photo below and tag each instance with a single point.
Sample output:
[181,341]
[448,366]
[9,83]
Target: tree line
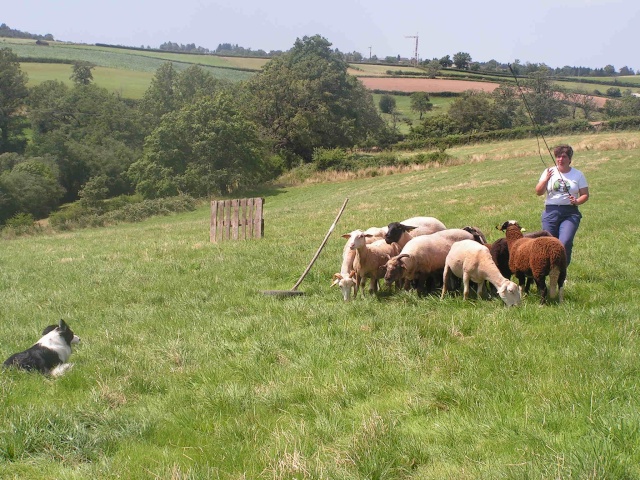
[194,134]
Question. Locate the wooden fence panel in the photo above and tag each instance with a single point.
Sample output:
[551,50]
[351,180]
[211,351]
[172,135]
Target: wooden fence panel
[238,219]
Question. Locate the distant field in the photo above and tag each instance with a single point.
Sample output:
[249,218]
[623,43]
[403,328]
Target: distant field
[625,79]
[139,61]
[359,69]
[127,83]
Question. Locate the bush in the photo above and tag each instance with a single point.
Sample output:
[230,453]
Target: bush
[330,159]
[131,210]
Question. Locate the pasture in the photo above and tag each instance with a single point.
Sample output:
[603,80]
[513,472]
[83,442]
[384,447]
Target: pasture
[186,370]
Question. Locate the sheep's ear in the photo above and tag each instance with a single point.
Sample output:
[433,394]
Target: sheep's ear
[408,228]
[346,235]
[368,235]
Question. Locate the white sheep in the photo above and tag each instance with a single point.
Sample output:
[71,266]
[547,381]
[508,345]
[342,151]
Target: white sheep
[370,260]
[345,279]
[471,261]
[423,257]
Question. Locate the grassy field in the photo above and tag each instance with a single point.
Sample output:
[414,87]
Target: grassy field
[186,370]
[406,115]
[127,83]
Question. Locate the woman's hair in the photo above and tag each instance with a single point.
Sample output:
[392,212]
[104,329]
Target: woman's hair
[560,149]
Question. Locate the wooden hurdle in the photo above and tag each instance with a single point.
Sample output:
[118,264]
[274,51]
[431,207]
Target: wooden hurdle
[238,219]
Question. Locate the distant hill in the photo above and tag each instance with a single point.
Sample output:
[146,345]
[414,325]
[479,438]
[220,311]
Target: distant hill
[6,31]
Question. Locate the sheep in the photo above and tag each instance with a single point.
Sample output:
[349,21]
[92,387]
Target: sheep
[370,260]
[402,232]
[537,257]
[423,257]
[471,261]
[345,278]
[500,251]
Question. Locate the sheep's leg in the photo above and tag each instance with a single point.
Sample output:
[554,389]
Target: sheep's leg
[480,289]
[465,285]
[553,282]
[445,280]
[373,286]
[522,282]
[542,288]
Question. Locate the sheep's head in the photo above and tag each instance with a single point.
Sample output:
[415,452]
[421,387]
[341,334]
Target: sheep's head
[510,294]
[478,236]
[510,223]
[396,229]
[395,268]
[358,240]
[347,284]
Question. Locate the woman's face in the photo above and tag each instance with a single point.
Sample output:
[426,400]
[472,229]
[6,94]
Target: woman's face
[563,160]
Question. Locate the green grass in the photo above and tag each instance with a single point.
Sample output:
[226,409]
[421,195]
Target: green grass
[186,370]
[125,71]
[128,83]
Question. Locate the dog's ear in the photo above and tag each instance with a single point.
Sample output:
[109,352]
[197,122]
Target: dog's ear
[62,325]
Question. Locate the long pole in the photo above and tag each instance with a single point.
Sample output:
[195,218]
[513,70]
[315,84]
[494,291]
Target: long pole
[326,237]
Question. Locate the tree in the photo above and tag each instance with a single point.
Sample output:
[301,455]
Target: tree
[89,131]
[304,99]
[81,74]
[420,103]
[387,103]
[610,70]
[543,97]
[446,61]
[462,60]
[472,111]
[29,187]
[624,71]
[160,97]
[627,106]
[13,92]
[205,148]
[432,68]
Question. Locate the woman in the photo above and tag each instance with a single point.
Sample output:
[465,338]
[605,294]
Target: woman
[565,188]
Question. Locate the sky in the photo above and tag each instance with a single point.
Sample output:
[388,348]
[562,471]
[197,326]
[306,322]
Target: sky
[589,33]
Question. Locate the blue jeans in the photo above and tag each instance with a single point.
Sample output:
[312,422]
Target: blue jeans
[562,221]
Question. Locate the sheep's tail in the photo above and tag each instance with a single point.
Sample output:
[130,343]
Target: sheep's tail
[558,274]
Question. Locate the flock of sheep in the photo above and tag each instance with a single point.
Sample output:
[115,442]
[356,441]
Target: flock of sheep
[421,253]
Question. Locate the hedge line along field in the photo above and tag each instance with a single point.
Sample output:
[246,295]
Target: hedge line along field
[186,370]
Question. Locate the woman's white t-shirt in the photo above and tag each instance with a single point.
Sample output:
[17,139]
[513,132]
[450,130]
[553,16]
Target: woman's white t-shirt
[560,186]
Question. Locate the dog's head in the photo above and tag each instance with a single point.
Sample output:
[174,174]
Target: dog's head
[63,330]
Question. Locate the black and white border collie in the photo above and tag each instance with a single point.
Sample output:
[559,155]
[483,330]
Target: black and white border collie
[49,356]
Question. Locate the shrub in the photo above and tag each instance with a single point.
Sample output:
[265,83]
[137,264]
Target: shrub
[330,159]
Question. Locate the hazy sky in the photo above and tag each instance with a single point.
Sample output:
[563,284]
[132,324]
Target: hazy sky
[590,33]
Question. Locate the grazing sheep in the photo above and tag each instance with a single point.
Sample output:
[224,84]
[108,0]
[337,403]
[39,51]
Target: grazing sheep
[370,260]
[537,257]
[345,279]
[500,251]
[402,232]
[423,258]
[471,261]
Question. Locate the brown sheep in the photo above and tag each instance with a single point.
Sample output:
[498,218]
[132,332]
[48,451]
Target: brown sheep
[536,257]
[370,260]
